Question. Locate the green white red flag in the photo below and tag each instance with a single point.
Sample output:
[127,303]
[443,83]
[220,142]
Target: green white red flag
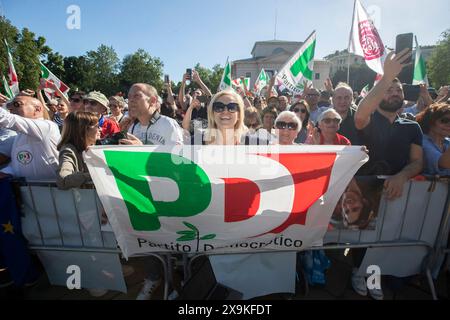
[12,75]
[50,77]
[225,82]
[420,70]
[220,198]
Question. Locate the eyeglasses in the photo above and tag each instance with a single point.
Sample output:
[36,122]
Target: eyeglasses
[76,100]
[219,107]
[286,125]
[300,110]
[330,120]
[444,120]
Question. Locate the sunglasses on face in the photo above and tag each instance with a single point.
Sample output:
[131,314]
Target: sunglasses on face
[311,95]
[330,120]
[299,110]
[286,125]
[76,100]
[219,107]
[444,120]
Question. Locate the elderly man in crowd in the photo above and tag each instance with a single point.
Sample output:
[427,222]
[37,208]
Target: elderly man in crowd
[97,103]
[33,153]
[343,104]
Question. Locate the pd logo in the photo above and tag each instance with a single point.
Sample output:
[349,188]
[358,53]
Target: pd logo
[236,197]
[24,157]
[370,40]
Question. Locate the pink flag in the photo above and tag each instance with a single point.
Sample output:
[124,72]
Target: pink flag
[365,40]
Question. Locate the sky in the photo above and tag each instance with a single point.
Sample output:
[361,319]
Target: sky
[183,33]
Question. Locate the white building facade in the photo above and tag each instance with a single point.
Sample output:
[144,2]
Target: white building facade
[272,55]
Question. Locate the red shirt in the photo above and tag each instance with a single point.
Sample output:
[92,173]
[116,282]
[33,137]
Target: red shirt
[338,140]
[109,127]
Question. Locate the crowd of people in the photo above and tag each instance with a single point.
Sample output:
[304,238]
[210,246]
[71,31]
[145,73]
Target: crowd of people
[44,140]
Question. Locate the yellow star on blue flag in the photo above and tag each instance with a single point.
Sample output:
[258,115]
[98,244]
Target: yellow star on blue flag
[8,227]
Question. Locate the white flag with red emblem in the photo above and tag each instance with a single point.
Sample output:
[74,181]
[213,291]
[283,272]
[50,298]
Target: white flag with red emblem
[365,40]
[12,75]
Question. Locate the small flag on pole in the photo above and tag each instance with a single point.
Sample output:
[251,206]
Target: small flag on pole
[225,82]
[364,91]
[12,75]
[7,89]
[261,82]
[50,77]
[420,71]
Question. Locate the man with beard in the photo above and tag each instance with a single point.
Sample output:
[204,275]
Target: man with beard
[395,144]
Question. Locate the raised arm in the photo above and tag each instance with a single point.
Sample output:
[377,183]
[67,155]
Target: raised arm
[188,115]
[181,91]
[198,80]
[392,67]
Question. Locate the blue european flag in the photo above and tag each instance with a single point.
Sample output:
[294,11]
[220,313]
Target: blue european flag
[13,247]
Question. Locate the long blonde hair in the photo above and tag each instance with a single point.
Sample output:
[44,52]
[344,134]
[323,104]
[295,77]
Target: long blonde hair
[239,128]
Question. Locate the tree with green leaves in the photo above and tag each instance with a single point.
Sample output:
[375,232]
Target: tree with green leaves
[439,63]
[103,66]
[141,67]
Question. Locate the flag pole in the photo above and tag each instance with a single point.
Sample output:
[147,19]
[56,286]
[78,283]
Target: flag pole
[349,41]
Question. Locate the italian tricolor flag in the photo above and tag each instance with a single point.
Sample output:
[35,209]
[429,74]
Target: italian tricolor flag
[13,79]
[261,82]
[420,71]
[50,77]
[225,82]
[6,88]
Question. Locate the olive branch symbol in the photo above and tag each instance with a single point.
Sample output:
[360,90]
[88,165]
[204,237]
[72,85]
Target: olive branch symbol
[193,234]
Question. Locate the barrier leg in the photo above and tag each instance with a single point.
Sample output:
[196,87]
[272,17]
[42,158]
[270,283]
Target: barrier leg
[431,284]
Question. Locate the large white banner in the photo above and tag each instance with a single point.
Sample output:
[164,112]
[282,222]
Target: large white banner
[222,198]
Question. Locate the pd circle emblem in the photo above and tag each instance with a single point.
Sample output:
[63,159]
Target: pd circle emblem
[24,157]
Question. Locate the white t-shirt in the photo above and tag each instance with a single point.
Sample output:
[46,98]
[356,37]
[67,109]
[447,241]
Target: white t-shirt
[163,131]
[34,154]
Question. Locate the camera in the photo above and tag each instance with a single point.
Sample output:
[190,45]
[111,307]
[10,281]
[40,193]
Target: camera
[112,140]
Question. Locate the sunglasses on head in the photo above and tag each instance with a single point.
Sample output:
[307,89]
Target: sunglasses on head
[219,107]
[445,120]
[286,125]
[300,110]
[330,120]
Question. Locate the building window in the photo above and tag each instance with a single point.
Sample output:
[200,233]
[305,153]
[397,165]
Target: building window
[248,74]
[317,76]
[356,60]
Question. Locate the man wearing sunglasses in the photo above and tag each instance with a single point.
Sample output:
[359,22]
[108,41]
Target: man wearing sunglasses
[97,103]
[76,101]
[33,154]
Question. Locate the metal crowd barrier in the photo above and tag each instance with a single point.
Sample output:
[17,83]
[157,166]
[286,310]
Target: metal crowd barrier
[418,222]
[70,221]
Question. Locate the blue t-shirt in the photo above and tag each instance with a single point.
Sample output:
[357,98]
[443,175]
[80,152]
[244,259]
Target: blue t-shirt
[431,155]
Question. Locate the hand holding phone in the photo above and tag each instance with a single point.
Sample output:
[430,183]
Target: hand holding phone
[402,42]
[189,74]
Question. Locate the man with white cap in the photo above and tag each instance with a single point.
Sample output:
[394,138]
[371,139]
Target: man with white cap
[97,103]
